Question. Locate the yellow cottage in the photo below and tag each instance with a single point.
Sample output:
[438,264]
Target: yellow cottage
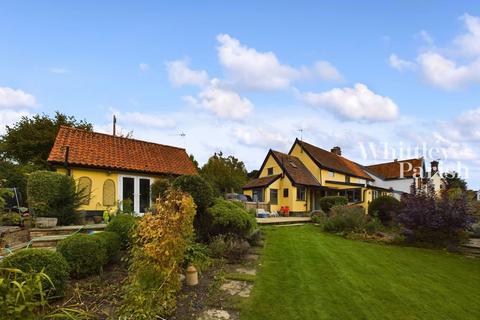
[112,169]
[299,179]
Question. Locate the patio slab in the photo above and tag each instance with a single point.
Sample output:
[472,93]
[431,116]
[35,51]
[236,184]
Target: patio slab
[283,220]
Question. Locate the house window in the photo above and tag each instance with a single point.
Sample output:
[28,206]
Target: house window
[353,195]
[347,179]
[273,196]
[270,171]
[109,193]
[331,174]
[300,193]
[257,195]
[84,190]
[285,193]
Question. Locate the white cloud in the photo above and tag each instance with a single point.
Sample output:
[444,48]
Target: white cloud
[357,103]
[400,64]
[9,117]
[248,68]
[147,120]
[222,102]
[326,71]
[469,43]
[426,37]
[144,66]
[11,98]
[180,74]
[59,70]
[259,137]
[445,73]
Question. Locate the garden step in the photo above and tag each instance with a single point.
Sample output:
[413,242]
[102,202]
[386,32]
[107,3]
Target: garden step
[47,241]
[65,230]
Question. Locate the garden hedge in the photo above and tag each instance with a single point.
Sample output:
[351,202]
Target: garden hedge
[123,225]
[327,203]
[84,253]
[111,242]
[52,263]
[52,194]
[226,217]
[385,208]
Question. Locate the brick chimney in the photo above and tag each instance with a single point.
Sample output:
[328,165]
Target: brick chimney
[337,150]
[434,167]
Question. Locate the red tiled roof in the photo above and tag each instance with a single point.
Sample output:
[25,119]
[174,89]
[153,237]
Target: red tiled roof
[334,162]
[295,169]
[261,182]
[392,170]
[92,149]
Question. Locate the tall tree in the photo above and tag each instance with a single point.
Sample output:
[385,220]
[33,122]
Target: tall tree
[29,141]
[454,181]
[225,174]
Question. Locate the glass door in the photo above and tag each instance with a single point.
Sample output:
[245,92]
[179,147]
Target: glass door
[128,194]
[144,195]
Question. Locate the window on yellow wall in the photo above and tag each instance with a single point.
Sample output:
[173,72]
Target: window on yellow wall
[270,171]
[109,193]
[331,174]
[285,193]
[273,196]
[300,193]
[84,189]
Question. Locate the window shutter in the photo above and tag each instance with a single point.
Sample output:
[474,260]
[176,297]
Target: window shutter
[109,193]
[85,189]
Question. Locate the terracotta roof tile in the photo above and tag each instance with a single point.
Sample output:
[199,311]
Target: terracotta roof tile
[295,169]
[100,150]
[392,170]
[334,162]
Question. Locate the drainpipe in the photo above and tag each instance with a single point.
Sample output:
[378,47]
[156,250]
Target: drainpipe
[65,162]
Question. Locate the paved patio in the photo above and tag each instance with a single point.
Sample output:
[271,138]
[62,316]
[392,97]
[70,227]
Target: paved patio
[283,220]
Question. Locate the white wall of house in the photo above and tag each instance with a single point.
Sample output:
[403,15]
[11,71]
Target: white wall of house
[398,186]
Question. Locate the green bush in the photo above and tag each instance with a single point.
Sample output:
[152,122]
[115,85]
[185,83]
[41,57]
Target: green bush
[51,263]
[52,194]
[476,230]
[384,208]
[197,255]
[198,188]
[318,216]
[345,219]
[228,218]
[123,225]
[111,242]
[10,219]
[84,253]
[159,187]
[327,203]
[231,248]
[22,294]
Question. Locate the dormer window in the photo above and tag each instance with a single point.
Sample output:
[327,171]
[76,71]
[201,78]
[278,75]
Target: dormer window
[347,179]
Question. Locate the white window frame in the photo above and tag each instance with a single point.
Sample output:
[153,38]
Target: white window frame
[136,191]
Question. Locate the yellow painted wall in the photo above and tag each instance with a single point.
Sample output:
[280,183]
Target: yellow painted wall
[280,184]
[98,177]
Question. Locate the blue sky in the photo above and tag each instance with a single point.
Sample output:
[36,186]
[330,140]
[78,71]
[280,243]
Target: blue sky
[243,77]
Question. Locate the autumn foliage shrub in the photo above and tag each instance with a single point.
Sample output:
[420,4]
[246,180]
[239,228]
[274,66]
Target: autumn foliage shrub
[438,221]
[160,242]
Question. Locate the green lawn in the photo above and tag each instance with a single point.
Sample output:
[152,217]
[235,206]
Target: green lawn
[307,274]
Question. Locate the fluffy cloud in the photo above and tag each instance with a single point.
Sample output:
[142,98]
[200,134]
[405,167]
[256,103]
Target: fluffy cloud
[262,138]
[11,98]
[180,74]
[440,67]
[357,103]
[445,73]
[147,120]
[469,43]
[8,117]
[222,102]
[400,64]
[248,68]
